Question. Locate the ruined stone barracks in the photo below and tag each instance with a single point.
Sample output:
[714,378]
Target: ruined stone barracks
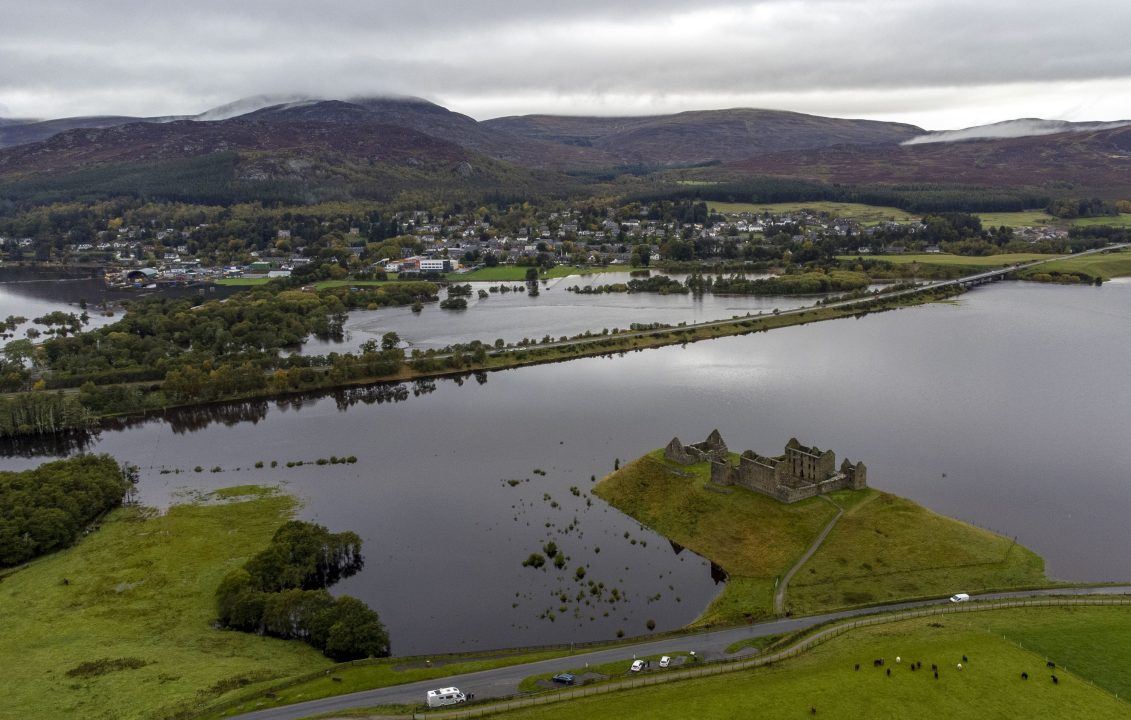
[800,473]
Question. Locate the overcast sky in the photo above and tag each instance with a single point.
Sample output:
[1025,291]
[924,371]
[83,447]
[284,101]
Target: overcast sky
[936,63]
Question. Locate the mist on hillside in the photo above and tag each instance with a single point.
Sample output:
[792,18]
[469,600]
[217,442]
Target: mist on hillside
[1024,127]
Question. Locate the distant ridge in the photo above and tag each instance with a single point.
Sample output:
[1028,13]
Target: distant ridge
[377,145]
[703,136]
[1077,163]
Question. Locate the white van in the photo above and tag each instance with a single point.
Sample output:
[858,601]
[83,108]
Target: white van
[445,696]
[960,597]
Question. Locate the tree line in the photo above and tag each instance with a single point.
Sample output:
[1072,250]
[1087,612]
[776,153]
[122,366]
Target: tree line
[282,592]
[47,508]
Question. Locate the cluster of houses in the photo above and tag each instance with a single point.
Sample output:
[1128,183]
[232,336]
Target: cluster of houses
[464,241]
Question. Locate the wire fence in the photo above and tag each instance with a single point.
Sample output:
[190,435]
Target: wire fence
[433,660]
[805,643]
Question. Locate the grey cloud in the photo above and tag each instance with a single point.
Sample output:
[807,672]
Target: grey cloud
[140,56]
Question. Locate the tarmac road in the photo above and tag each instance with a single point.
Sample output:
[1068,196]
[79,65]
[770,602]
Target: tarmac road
[503,682]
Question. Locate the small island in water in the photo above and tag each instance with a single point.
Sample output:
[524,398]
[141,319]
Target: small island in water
[797,534]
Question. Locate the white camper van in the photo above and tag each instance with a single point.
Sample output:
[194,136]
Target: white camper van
[445,696]
[959,597]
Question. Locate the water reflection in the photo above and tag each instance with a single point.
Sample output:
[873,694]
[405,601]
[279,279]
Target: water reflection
[554,311]
[60,445]
[718,575]
[1008,409]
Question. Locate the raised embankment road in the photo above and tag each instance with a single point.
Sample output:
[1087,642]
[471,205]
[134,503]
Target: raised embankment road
[504,682]
[965,281]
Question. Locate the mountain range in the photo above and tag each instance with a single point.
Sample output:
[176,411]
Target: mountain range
[370,140]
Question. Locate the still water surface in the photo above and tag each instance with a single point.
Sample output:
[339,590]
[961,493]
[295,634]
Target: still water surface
[1009,408]
[555,311]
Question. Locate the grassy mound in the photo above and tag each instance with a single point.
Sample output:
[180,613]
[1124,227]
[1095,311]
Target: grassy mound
[754,538]
[883,548]
[989,686]
[120,626]
[886,548]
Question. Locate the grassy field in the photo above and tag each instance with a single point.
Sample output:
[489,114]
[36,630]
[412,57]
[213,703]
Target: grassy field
[1088,641]
[886,547]
[1036,218]
[865,214]
[883,548]
[1106,266]
[376,674]
[873,214]
[988,688]
[1025,218]
[1122,220]
[119,626]
[971,261]
[241,282]
[753,537]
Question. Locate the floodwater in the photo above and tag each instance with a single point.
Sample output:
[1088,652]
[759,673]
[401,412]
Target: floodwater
[556,311]
[1008,408]
[34,298]
[31,298]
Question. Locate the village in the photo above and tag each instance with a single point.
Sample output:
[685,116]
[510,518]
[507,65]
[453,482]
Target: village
[438,247]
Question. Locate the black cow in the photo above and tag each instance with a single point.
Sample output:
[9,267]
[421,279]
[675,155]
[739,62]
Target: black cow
[1024,676]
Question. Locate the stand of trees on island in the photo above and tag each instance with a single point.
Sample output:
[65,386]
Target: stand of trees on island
[47,508]
[282,592]
[168,351]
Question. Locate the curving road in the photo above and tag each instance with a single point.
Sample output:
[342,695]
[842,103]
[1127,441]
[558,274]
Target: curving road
[503,682]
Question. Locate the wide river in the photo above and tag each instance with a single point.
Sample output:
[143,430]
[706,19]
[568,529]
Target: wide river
[1009,408]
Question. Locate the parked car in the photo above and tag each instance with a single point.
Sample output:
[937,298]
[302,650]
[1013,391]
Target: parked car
[665,661]
[637,666]
[959,597]
[565,678]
